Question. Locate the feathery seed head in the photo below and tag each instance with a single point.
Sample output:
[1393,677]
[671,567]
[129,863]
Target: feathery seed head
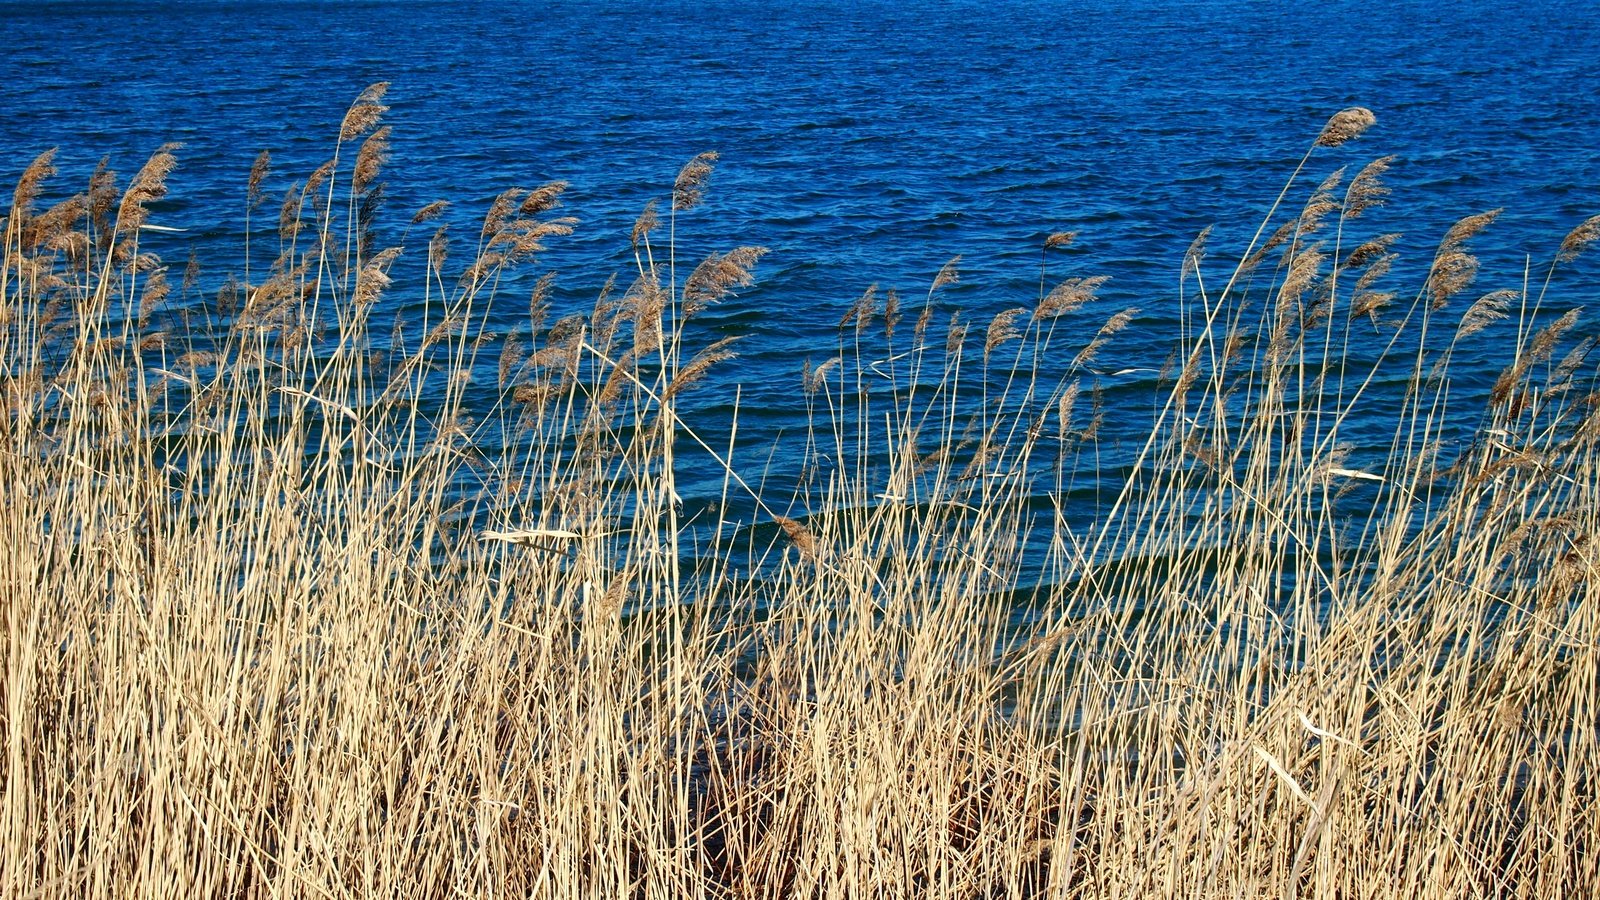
[364,113]
[1069,295]
[1002,328]
[1345,125]
[1578,239]
[948,274]
[642,226]
[258,174]
[718,275]
[689,187]
[431,211]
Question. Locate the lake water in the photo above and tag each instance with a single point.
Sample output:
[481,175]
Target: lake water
[862,142]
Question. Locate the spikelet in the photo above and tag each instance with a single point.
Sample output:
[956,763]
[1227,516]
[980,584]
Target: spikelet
[699,366]
[949,274]
[156,290]
[28,186]
[717,276]
[891,312]
[364,112]
[1097,413]
[373,278]
[1561,378]
[539,301]
[1107,331]
[1303,271]
[688,188]
[607,313]
[1317,207]
[1002,328]
[543,198]
[1069,296]
[1345,125]
[1196,252]
[1367,188]
[1545,341]
[860,312]
[525,237]
[1454,269]
[923,319]
[289,214]
[956,335]
[102,198]
[147,187]
[500,210]
[439,247]
[370,158]
[1488,309]
[1578,239]
[191,271]
[431,211]
[1060,239]
[645,303]
[1374,249]
[1069,399]
[817,379]
[647,222]
[799,535]
[317,179]
[49,228]
[258,175]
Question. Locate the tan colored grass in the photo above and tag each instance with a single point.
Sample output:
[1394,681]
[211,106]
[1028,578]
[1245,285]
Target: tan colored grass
[286,616]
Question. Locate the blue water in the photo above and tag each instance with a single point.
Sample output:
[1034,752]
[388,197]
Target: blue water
[862,142]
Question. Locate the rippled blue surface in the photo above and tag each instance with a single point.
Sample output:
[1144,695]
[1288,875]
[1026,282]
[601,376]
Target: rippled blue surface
[863,142]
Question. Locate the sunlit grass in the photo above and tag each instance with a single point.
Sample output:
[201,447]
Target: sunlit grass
[288,615]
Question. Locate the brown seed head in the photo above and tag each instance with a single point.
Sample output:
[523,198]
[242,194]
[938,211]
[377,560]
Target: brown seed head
[431,211]
[642,226]
[1345,125]
[1578,239]
[1069,296]
[1367,188]
[1002,328]
[948,274]
[689,187]
[543,198]
[364,113]
[258,174]
[699,366]
[370,159]
[1488,309]
[1059,239]
[799,535]
[1196,251]
[27,191]
[718,275]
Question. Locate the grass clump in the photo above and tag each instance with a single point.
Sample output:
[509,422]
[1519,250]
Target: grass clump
[298,605]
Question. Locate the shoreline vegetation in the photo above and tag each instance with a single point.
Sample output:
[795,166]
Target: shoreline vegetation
[286,614]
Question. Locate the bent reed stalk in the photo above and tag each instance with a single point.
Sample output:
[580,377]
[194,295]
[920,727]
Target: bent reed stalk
[289,613]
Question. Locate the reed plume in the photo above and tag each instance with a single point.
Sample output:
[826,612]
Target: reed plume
[1345,125]
[689,187]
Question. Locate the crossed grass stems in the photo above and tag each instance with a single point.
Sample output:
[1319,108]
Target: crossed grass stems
[284,619]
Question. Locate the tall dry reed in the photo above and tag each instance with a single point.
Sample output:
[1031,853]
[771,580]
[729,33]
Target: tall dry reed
[286,615]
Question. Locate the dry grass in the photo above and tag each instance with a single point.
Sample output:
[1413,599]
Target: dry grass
[284,617]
